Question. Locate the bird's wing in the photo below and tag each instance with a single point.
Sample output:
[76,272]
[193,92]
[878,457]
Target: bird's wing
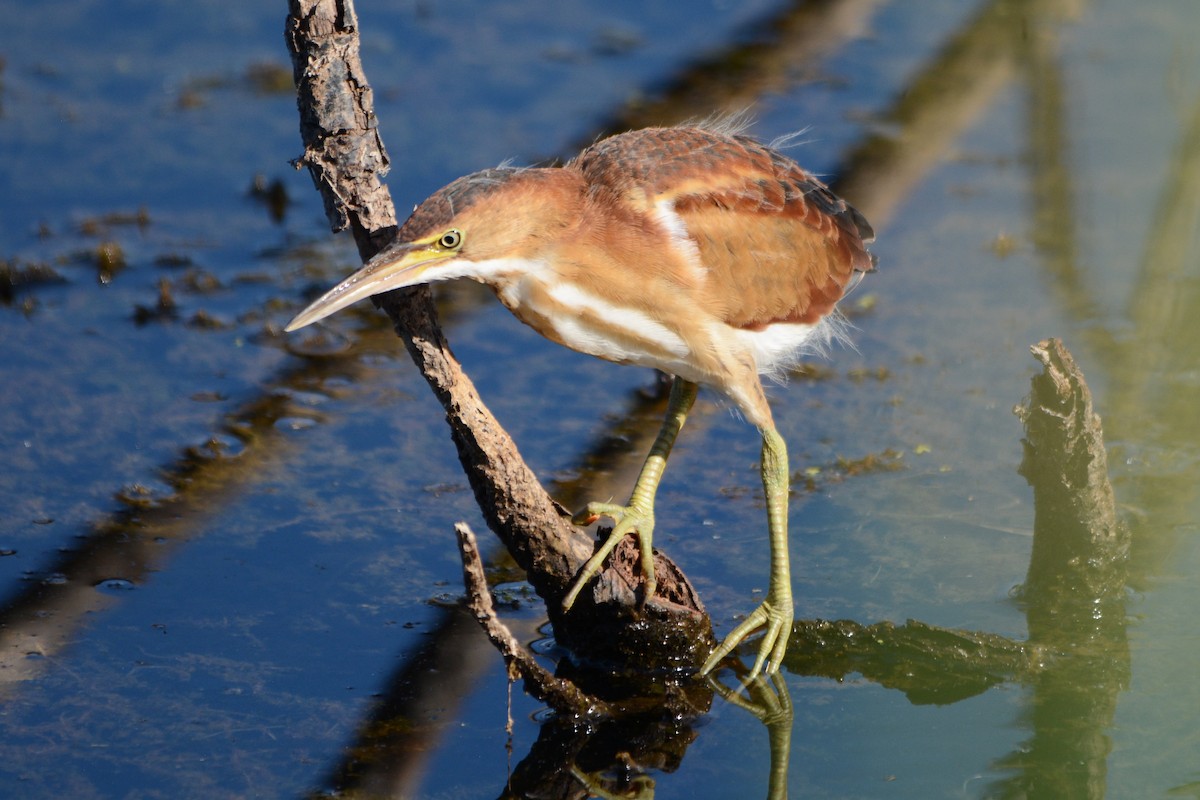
[777,245]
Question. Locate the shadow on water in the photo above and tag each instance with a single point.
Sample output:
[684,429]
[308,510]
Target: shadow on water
[140,537]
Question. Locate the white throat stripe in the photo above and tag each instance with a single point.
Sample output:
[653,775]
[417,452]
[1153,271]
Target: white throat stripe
[637,323]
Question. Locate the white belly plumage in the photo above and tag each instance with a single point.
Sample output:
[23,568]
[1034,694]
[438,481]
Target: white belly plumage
[633,336]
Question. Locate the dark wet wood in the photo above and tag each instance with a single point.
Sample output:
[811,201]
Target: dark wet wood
[1079,543]
[929,664]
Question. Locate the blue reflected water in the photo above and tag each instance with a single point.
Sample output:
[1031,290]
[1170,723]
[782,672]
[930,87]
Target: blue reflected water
[226,558]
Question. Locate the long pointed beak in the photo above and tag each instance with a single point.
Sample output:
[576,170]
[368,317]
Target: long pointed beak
[395,267]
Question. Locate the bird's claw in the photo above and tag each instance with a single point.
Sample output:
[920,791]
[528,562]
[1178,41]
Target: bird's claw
[773,615]
[617,513]
[626,520]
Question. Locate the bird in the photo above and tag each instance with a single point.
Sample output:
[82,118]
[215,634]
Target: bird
[695,250]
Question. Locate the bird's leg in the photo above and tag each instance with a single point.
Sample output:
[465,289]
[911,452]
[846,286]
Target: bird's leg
[776,612]
[637,517]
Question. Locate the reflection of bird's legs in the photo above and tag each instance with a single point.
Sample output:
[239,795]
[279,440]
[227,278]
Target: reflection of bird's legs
[638,517]
[771,703]
[776,612]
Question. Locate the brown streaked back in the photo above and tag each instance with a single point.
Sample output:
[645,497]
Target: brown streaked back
[777,245]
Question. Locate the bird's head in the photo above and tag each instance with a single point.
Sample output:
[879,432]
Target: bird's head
[486,226]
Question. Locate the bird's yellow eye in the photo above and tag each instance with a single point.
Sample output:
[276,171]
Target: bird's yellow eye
[451,239]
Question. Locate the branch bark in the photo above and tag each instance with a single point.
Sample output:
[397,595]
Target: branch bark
[344,153]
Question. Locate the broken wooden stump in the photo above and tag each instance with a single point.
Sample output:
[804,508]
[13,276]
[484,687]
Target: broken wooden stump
[1079,544]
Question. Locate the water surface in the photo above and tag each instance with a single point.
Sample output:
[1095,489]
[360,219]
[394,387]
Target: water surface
[229,565]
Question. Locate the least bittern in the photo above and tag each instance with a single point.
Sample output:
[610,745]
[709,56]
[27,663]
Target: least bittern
[698,252]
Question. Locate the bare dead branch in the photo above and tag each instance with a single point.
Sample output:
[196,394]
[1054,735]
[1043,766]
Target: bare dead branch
[538,682]
[344,153]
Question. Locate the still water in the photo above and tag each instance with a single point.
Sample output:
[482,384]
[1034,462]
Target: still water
[228,563]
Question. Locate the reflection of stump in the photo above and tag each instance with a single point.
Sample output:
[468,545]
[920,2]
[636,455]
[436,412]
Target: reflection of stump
[1078,542]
